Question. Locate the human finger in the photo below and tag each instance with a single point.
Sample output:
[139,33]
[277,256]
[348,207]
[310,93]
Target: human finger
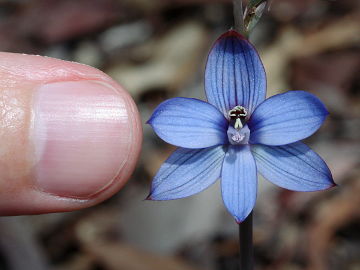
[69,135]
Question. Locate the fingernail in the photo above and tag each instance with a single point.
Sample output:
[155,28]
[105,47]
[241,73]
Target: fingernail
[81,137]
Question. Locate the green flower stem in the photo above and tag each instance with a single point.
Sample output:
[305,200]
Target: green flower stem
[239,17]
[246,243]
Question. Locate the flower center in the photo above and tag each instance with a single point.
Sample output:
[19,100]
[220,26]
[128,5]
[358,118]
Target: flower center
[237,137]
[238,132]
[237,115]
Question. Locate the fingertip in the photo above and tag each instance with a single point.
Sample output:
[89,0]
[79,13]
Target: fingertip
[81,131]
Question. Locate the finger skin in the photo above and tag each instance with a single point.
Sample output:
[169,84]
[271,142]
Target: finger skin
[20,76]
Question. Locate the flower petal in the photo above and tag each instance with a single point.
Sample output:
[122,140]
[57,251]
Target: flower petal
[294,166]
[189,123]
[286,118]
[186,172]
[239,181]
[234,74]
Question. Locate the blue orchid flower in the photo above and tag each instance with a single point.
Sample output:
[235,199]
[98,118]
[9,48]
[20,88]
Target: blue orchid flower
[237,133]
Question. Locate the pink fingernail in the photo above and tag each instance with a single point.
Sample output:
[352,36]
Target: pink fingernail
[81,137]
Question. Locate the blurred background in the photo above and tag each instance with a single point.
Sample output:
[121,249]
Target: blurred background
[157,49]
